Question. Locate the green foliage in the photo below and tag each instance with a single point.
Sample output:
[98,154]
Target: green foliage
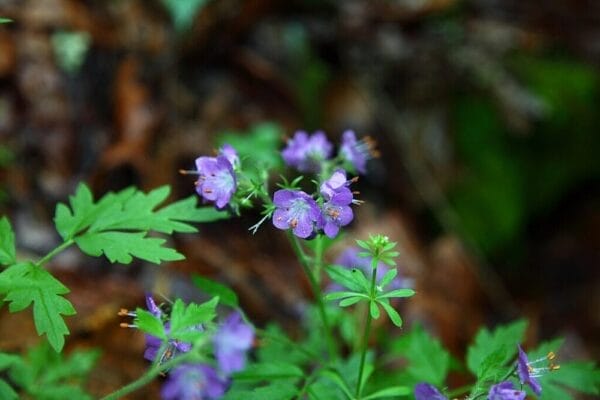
[360,291]
[26,283]
[212,288]
[5,20]
[7,243]
[427,360]
[70,49]
[185,319]
[580,376]
[259,146]
[277,390]
[117,224]
[489,197]
[183,12]
[46,375]
[500,344]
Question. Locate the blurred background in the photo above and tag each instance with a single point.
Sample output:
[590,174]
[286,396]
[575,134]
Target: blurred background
[486,114]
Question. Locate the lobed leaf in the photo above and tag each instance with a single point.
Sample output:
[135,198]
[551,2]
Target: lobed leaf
[121,247]
[185,319]
[26,283]
[487,343]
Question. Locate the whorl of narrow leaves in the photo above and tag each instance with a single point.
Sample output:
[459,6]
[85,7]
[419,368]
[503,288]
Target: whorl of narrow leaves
[117,225]
[26,283]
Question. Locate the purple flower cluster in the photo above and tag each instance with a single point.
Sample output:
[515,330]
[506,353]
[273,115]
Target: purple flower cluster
[216,177]
[307,152]
[505,391]
[231,342]
[502,391]
[296,210]
[153,343]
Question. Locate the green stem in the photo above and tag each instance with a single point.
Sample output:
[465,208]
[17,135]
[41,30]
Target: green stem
[318,257]
[152,373]
[458,391]
[305,262]
[54,252]
[367,331]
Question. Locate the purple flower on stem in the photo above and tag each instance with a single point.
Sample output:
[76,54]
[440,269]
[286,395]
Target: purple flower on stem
[298,211]
[232,340]
[425,391]
[216,180]
[305,153]
[527,374]
[357,152]
[505,391]
[338,197]
[193,382]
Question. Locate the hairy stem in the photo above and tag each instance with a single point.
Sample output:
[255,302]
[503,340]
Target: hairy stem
[367,331]
[54,252]
[305,262]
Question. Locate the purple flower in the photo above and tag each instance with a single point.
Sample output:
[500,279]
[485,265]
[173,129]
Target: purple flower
[527,373]
[229,152]
[298,211]
[305,153]
[232,340]
[349,258]
[193,382]
[356,152]
[336,209]
[505,391]
[216,181]
[425,391]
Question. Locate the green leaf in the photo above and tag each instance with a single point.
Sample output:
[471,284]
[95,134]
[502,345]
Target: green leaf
[341,295]
[46,374]
[5,20]
[393,314]
[28,284]
[122,246]
[486,342]
[393,391]
[580,376]
[185,319]
[428,361]
[149,323]
[212,288]
[388,277]
[374,310]
[118,223]
[7,360]
[397,293]
[6,391]
[350,301]
[7,243]
[278,390]
[260,146]
[344,277]
[269,371]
